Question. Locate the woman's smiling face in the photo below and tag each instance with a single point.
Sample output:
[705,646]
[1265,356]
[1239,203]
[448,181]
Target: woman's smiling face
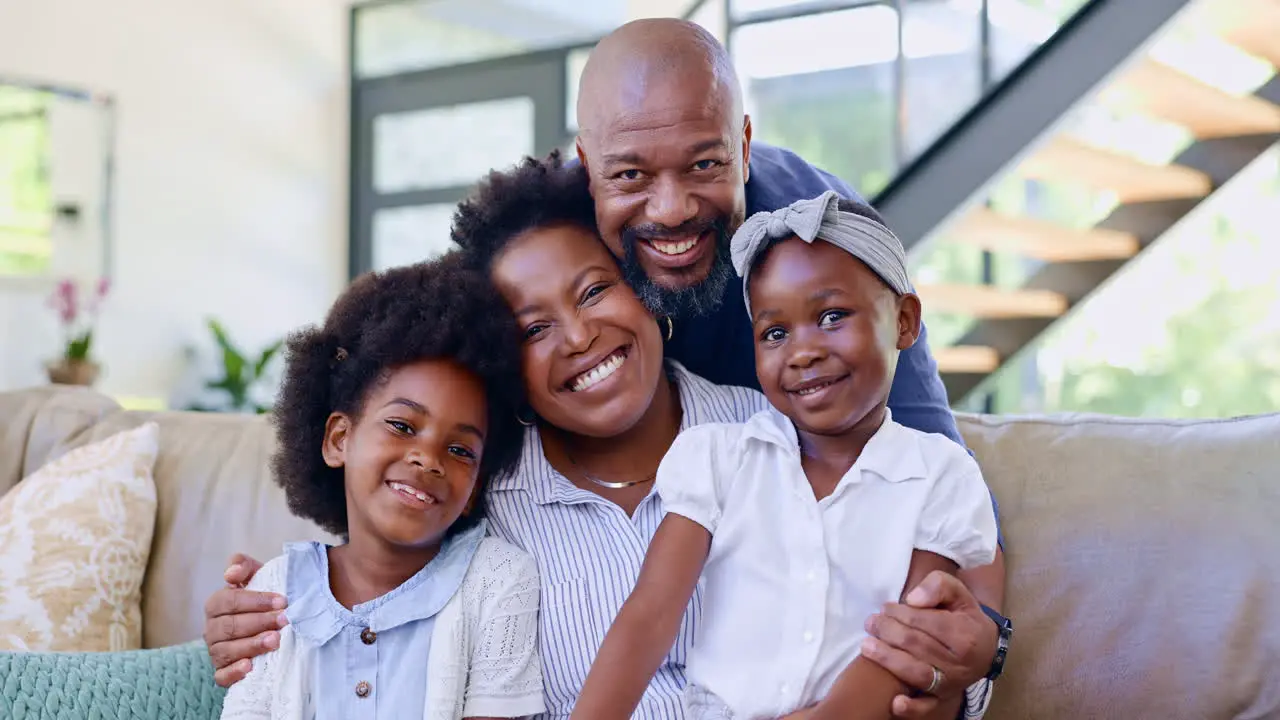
[592,354]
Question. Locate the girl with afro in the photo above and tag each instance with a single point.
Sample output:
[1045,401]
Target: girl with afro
[392,417]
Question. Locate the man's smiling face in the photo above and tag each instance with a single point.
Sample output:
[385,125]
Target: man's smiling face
[666,147]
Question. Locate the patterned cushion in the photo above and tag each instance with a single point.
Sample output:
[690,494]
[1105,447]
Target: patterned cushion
[74,541]
[174,683]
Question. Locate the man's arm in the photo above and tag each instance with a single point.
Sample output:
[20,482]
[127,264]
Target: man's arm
[647,624]
[241,624]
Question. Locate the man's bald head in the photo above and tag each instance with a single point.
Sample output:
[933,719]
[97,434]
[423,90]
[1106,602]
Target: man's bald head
[653,58]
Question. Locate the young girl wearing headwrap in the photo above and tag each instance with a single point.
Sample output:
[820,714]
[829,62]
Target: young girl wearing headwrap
[812,515]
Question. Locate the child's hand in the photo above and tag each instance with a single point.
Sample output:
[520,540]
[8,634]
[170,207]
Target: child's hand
[241,624]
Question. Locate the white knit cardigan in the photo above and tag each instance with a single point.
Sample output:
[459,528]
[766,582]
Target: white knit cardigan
[484,659]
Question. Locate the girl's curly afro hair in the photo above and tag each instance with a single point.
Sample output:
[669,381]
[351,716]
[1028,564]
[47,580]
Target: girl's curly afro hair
[536,193]
[384,320]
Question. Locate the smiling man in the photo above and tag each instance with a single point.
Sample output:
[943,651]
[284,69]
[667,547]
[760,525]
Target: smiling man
[667,146]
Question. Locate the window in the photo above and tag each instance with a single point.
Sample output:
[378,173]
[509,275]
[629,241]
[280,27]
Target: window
[1018,27]
[941,68]
[824,86]
[401,37]
[746,9]
[26,206]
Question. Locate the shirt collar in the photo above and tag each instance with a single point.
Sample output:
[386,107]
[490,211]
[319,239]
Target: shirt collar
[546,485]
[315,614]
[893,452]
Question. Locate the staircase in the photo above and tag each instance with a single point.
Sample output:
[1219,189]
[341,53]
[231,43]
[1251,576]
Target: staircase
[1106,74]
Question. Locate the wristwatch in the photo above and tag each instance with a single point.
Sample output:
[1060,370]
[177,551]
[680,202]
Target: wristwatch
[1002,643]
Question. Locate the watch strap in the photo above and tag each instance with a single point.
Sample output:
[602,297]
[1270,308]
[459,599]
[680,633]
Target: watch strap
[1005,629]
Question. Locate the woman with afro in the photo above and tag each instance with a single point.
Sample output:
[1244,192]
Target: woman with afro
[392,417]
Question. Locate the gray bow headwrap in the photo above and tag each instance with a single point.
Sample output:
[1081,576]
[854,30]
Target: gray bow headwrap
[821,219]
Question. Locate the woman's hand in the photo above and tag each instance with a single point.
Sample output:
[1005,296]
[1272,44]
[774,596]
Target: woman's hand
[941,626]
[241,624]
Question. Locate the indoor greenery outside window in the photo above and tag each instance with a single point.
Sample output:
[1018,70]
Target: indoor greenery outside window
[26,204]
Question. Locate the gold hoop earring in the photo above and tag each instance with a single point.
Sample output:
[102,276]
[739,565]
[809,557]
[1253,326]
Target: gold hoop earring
[670,327]
[520,419]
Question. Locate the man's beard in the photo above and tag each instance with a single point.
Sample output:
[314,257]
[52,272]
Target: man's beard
[699,299]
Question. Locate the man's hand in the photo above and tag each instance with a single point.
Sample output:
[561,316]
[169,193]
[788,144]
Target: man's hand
[241,624]
[941,625]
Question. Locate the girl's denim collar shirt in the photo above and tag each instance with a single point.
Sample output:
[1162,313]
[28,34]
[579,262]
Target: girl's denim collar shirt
[316,614]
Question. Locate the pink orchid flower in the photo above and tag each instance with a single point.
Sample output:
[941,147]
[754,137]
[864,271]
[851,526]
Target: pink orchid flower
[64,301]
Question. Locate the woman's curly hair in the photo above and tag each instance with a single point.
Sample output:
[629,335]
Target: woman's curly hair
[437,309]
[535,193]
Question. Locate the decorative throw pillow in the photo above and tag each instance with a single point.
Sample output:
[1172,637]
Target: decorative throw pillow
[74,540]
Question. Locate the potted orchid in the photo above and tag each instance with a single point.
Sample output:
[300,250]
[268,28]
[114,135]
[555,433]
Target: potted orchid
[76,366]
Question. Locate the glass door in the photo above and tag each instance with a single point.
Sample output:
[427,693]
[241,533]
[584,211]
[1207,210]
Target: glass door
[421,140]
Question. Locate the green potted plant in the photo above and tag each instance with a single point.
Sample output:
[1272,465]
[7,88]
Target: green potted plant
[242,375]
[76,365]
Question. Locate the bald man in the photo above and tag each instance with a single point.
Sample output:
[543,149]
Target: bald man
[673,173]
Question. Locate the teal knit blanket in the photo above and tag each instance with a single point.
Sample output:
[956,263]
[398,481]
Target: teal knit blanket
[173,683]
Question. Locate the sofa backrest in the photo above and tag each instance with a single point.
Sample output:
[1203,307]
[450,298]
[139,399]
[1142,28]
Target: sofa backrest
[1142,555]
[1143,565]
[38,424]
[214,493]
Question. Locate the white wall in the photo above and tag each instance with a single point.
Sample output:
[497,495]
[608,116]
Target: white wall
[78,139]
[230,188]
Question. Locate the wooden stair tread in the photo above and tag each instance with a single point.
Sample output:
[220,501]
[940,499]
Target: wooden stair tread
[992,231]
[986,301]
[1146,88]
[1251,25]
[1130,179]
[966,359]
[1153,88]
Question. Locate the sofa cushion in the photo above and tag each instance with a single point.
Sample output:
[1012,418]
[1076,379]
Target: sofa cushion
[216,498]
[74,540]
[173,683]
[1143,575]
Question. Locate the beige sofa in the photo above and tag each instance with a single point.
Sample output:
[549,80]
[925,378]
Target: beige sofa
[1143,556]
